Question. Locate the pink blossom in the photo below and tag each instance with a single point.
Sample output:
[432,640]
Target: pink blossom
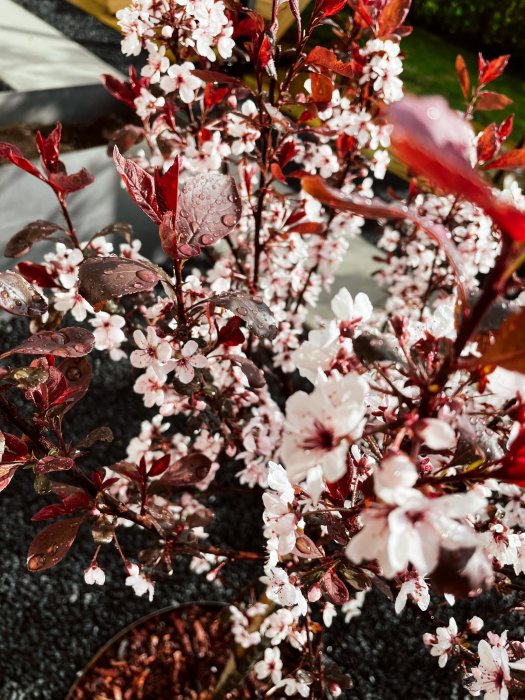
[189,360]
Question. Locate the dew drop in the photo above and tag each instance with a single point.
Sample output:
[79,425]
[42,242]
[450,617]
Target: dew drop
[36,562]
[79,347]
[52,549]
[207,240]
[228,220]
[146,275]
[241,311]
[73,373]
[58,338]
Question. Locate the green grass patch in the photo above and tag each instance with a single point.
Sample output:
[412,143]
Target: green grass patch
[429,70]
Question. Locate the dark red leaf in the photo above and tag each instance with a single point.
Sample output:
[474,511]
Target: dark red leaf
[48,512]
[52,544]
[167,188]
[392,16]
[35,273]
[23,241]
[15,449]
[71,183]
[265,52]
[322,87]
[287,152]
[493,69]
[296,12]
[78,374]
[326,58]
[18,297]
[512,467]
[214,95]
[253,374]
[53,464]
[277,173]
[102,434]
[328,8]
[15,155]
[119,89]
[209,209]
[490,101]
[139,184]
[159,466]
[49,149]
[488,143]
[505,128]
[125,138]
[335,589]
[213,76]
[252,310]
[231,334]
[511,160]
[463,76]
[6,475]
[67,342]
[187,471]
[111,277]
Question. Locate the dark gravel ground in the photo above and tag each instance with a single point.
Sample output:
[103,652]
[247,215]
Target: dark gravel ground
[83,28]
[52,622]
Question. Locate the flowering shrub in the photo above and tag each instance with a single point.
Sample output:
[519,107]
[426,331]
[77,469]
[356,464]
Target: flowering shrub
[388,443]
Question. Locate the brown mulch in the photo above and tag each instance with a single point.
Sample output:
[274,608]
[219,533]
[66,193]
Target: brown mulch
[174,655]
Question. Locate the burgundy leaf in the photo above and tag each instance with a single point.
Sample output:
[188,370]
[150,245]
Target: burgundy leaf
[159,466]
[6,475]
[511,160]
[252,310]
[139,184]
[209,209]
[102,434]
[187,471]
[167,188]
[491,70]
[489,101]
[67,342]
[463,76]
[296,12]
[18,297]
[306,548]
[119,89]
[15,449]
[52,544]
[325,58]
[12,153]
[35,273]
[125,138]
[214,76]
[322,87]
[253,374]
[328,8]
[23,241]
[112,277]
[78,374]
[71,183]
[231,334]
[53,464]
[335,588]
[392,16]
[49,149]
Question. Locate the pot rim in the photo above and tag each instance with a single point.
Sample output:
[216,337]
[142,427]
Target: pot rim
[136,623]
